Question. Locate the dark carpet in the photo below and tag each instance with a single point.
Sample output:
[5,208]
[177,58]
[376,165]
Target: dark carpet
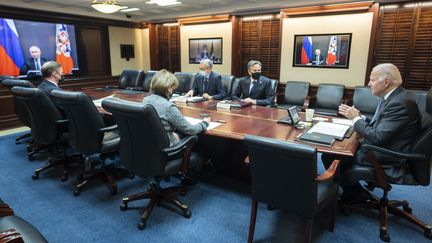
[220,210]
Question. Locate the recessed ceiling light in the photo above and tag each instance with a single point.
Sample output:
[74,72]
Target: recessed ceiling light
[164,3]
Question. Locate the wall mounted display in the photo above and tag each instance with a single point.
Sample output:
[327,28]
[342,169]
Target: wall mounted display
[322,50]
[205,48]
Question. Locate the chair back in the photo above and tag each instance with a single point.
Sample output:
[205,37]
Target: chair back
[142,136]
[186,81]
[421,170]
[235,84]
[329,96]
[274,84]
[277,169]
[429,102]
[131,78]
[84,121]
[365,101]
[43,114]
[296,92]
[227,81]
[420,98]
[19,106]
[147,81]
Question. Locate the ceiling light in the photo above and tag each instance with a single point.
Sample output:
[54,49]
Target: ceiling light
[164,3]
[107,6]
[130,9]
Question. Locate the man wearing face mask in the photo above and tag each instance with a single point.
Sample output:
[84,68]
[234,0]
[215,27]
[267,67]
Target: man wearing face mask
[256,88]
[53,75]
[208,84]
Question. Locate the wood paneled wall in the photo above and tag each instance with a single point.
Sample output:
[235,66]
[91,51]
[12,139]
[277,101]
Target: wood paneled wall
[165,53]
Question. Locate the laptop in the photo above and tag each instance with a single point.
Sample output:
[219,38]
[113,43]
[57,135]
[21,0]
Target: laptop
[293,117]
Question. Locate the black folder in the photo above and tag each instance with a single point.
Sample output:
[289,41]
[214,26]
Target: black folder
[317,138]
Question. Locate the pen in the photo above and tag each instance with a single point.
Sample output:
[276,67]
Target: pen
[220,121]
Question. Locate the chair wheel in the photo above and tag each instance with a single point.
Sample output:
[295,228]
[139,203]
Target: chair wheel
[64,178]
[123,207]
[407,209]
[384,236]
[428,233]
[141,225]
[187,213]
[35,176]
[76,193]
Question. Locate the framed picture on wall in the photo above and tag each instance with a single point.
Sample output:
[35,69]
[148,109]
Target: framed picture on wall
[205,48]
[322,50]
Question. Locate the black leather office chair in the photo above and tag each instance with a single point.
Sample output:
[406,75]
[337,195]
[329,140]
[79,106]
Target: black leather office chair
[145,150]
[278,168]
[227,81]
[420,98]
[186,81]
[296,94]
[418,159]
[48,127]
[233,87]
[131,79]
[19,107]
[327,99]
[88,134]
[365,101]
[428,106]
[14,229]
[148,77]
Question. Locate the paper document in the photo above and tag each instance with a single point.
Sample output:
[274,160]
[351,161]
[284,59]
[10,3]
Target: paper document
[333,129]
[342,121]
[194,121]
[98,102]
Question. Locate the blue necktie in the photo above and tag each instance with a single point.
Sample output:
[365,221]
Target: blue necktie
[37,64]
[205,84]
[377,111]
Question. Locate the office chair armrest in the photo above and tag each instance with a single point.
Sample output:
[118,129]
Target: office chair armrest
[135,88]
[10,236]
[329,173]
[63,125]
[415,156]
[108,129]
[5,210]
[111,87]
[178,148]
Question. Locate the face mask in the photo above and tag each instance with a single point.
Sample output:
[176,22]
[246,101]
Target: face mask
[202,73]
[256,76]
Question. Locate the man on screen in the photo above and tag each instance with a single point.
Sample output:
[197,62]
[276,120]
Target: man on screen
[317,59]
[35,62]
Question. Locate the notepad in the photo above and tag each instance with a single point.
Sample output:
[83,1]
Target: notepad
[338,131]
[98,102]
[194,121]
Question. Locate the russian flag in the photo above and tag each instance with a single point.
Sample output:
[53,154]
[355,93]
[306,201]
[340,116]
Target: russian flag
[11,55]
[306,56]
[63,48]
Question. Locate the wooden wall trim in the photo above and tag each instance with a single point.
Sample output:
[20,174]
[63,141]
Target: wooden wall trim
[372,42]
[327,9]
[235,49]
[52,17]
[205,19]
[154,47]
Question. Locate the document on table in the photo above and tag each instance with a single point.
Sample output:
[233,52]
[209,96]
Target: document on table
[98,102]
[342,121]
[194,121]
[336,130]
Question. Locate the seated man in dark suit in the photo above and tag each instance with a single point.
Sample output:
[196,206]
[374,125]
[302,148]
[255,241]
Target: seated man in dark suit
[208,84]
[395,124]
[256,88]
[53,75]
[35,62]
[317,59]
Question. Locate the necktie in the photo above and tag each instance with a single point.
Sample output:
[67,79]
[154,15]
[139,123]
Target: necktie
[252,86]
[37,64]
[377,111]
[205,84]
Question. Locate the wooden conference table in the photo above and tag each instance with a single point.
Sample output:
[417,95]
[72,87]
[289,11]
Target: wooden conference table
[253,120]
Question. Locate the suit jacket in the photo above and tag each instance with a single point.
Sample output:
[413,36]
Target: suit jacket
[214,88]
[46,86]
[262,92]
[314,60]
[30,65]
[395,127]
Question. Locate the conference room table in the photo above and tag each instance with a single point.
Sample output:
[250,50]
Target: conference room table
[253,120]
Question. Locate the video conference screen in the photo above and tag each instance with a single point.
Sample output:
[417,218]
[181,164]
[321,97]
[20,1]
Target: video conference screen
[20,42]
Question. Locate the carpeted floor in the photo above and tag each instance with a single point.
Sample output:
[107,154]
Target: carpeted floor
[220,210]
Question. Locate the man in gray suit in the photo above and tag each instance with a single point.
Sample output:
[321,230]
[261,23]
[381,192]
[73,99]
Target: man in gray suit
[255,89]
[394,126]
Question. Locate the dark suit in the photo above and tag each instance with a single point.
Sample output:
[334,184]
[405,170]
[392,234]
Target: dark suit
[396,125]
[262,91]
[214,87]
[46,86]
[315,60]
[30,65]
